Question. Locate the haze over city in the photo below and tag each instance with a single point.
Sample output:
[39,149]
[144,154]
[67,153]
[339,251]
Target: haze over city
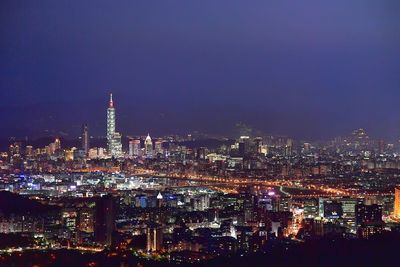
[199,133]
[312,69]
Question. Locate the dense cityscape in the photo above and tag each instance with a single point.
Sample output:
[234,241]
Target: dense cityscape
[199,133]
[192,199]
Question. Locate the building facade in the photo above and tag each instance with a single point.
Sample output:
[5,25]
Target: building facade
[113,137]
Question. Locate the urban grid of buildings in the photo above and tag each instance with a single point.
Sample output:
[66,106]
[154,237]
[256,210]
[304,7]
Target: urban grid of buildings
[192,198]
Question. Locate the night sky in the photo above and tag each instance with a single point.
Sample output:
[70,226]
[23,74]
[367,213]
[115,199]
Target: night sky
[308,69]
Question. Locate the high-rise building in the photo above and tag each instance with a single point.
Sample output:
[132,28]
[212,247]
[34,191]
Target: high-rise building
[244,145]
[104,220]
[134,148]
[29,151]
[321,201]
[154,238]
[131,147]
[158,149]
[397,202]
[110,117]
[248,208]
[306,148]
[311,208]
[148,146]
[85,139]
[15,149]
[69,154]
[281,203]
[113,137]
[201,153]
[86,219]
[288,147]
[349,212]
[57,144]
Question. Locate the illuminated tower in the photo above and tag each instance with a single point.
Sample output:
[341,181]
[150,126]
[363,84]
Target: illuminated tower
[148,146]
[154,238]
[158,147]
[85,139]
[131,147]
[113,137]
[110,120]
[134,148]
[397,202]
[57,144]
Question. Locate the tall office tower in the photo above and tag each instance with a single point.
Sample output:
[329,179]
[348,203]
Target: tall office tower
[104,220]
[281,203]
[15,149]
[264,150]
[397,202]
[244,145]
[201,153]
[110,117]
[57,144]
[113,137]
[69,154]
[135,147]
[86,219]
[306,148]
[289,147]
[321,201]
[154,238]
[148,146]
[29,151]
[349,211]
[257,143]
[85,139]
[248,206]
[158,147]
[131,146]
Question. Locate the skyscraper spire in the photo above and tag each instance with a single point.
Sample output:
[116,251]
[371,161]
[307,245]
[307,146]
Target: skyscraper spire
[113,137]
[111,105]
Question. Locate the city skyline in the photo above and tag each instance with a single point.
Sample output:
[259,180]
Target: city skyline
[306,70]
[199,133]
[114,138]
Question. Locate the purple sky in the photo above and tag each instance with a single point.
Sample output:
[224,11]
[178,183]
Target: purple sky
[312,69]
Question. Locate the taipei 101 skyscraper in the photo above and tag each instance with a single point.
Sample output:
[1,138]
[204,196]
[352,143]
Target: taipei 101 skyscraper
[113,137]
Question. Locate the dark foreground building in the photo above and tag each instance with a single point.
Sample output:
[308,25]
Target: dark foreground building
[104,223]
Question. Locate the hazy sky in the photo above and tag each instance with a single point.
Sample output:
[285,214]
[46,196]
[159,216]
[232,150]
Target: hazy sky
[303,68]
